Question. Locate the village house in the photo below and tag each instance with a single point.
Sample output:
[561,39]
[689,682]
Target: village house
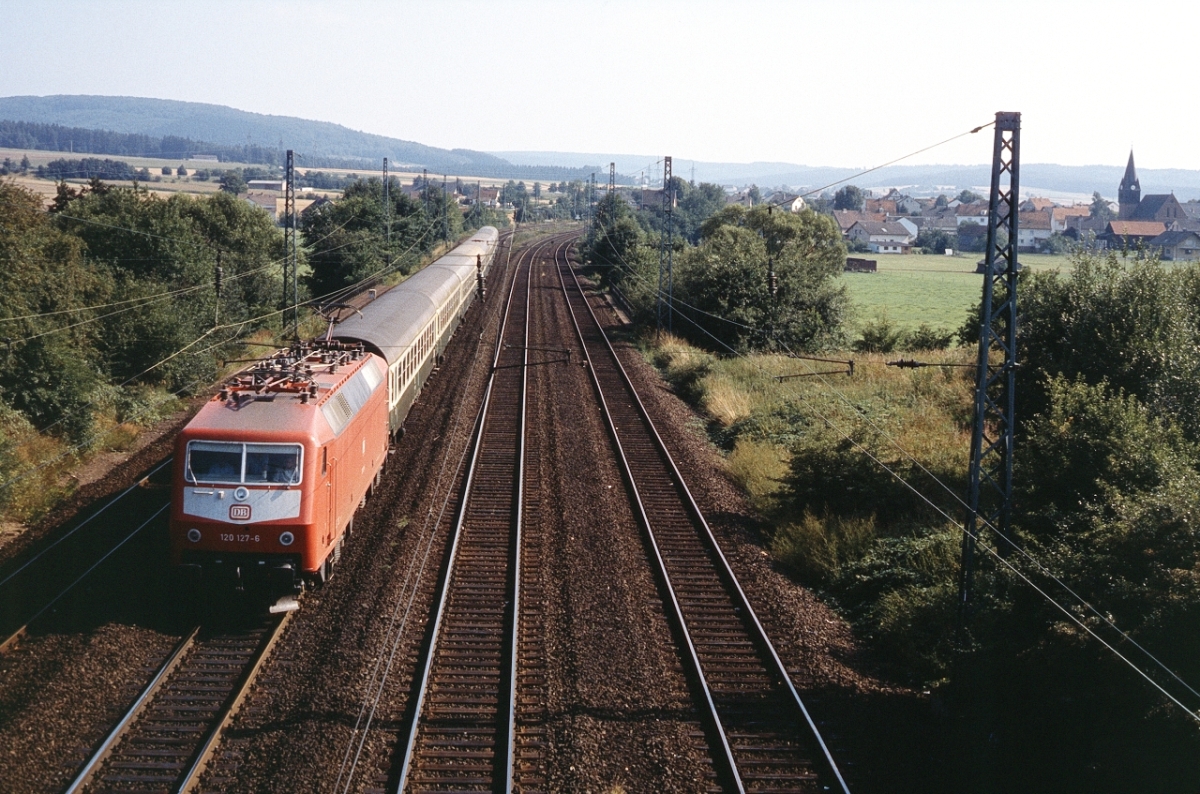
[946,223]
[273,204]
[789,202]
[489,196]
[1060,216]
[975,212]
[907,223]
[741,197]
[1130,235]
[1035,205]
[278,185]
[1033,229]
[262,199]
[881,206]
[882,238]
[1177,246]
[847,218]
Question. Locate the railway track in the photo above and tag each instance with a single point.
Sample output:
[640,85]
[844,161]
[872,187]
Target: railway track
[463,734]
[760,728]
[34,585]
[167,738]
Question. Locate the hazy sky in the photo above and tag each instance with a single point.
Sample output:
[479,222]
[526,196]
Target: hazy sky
[816,82]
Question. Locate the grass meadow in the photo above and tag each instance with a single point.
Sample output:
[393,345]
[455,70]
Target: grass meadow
[925,288]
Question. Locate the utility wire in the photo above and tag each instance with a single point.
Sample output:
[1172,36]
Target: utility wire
[890,162]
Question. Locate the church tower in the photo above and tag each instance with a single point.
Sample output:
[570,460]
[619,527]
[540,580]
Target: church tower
[1129,195]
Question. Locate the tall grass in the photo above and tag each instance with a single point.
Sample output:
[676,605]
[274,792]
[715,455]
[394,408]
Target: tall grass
[849,473]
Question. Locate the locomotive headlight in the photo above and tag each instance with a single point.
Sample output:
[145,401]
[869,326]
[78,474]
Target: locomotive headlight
[286,538]
[193,535]
[241,494]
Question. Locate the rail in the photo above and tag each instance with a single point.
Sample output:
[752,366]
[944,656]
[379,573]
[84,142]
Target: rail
[462,732]
[752,704]
[167,737]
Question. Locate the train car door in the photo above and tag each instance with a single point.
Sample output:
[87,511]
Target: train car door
[331,521]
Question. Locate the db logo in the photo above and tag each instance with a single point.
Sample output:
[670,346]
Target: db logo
[239,512]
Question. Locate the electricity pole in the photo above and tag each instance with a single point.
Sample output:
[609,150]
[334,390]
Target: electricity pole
[991,470]
[387,216]
[291,304]
[665,252]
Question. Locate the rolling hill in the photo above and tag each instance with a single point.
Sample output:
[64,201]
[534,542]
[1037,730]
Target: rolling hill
[320,142]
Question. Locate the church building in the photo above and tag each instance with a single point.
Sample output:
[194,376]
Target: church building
[1161,207]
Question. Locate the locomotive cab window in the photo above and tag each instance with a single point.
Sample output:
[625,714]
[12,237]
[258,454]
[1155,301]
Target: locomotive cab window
[214,461]
[235,463]
[273,463]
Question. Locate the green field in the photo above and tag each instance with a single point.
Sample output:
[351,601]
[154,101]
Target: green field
[925,288]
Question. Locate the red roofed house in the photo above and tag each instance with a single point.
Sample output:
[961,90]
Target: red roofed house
[1131,234]
[1035,205]
[847,218]
[1033,229]
[1059,216]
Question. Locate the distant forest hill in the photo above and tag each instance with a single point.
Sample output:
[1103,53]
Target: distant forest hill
[135,127]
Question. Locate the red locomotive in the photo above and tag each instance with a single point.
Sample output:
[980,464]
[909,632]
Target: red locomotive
[269,473]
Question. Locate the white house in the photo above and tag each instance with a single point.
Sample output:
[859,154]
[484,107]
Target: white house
[975,212]
[882,238]
[1033,228]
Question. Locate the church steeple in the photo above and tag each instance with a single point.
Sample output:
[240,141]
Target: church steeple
[1129,195]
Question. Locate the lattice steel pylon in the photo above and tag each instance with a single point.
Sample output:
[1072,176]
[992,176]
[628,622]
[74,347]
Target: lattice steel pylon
[666,254]
[989,499]
[291,282]
[612,178]
[592,199]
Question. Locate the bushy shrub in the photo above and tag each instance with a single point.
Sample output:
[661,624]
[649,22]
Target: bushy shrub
[926,337]
[879,336]
[818,547]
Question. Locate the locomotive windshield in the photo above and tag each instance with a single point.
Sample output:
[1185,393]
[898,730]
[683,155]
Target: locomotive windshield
[236,463]
[272,463]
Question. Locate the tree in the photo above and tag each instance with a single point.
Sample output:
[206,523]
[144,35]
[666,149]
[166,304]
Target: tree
[150,246]
[726,280]
[969,197]
[1057,243]
[349,236]
[1100,210]
[1131,324]
[50,370]
[613,239]
[232,182]
[181,171]
[849,197]
[936,241]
